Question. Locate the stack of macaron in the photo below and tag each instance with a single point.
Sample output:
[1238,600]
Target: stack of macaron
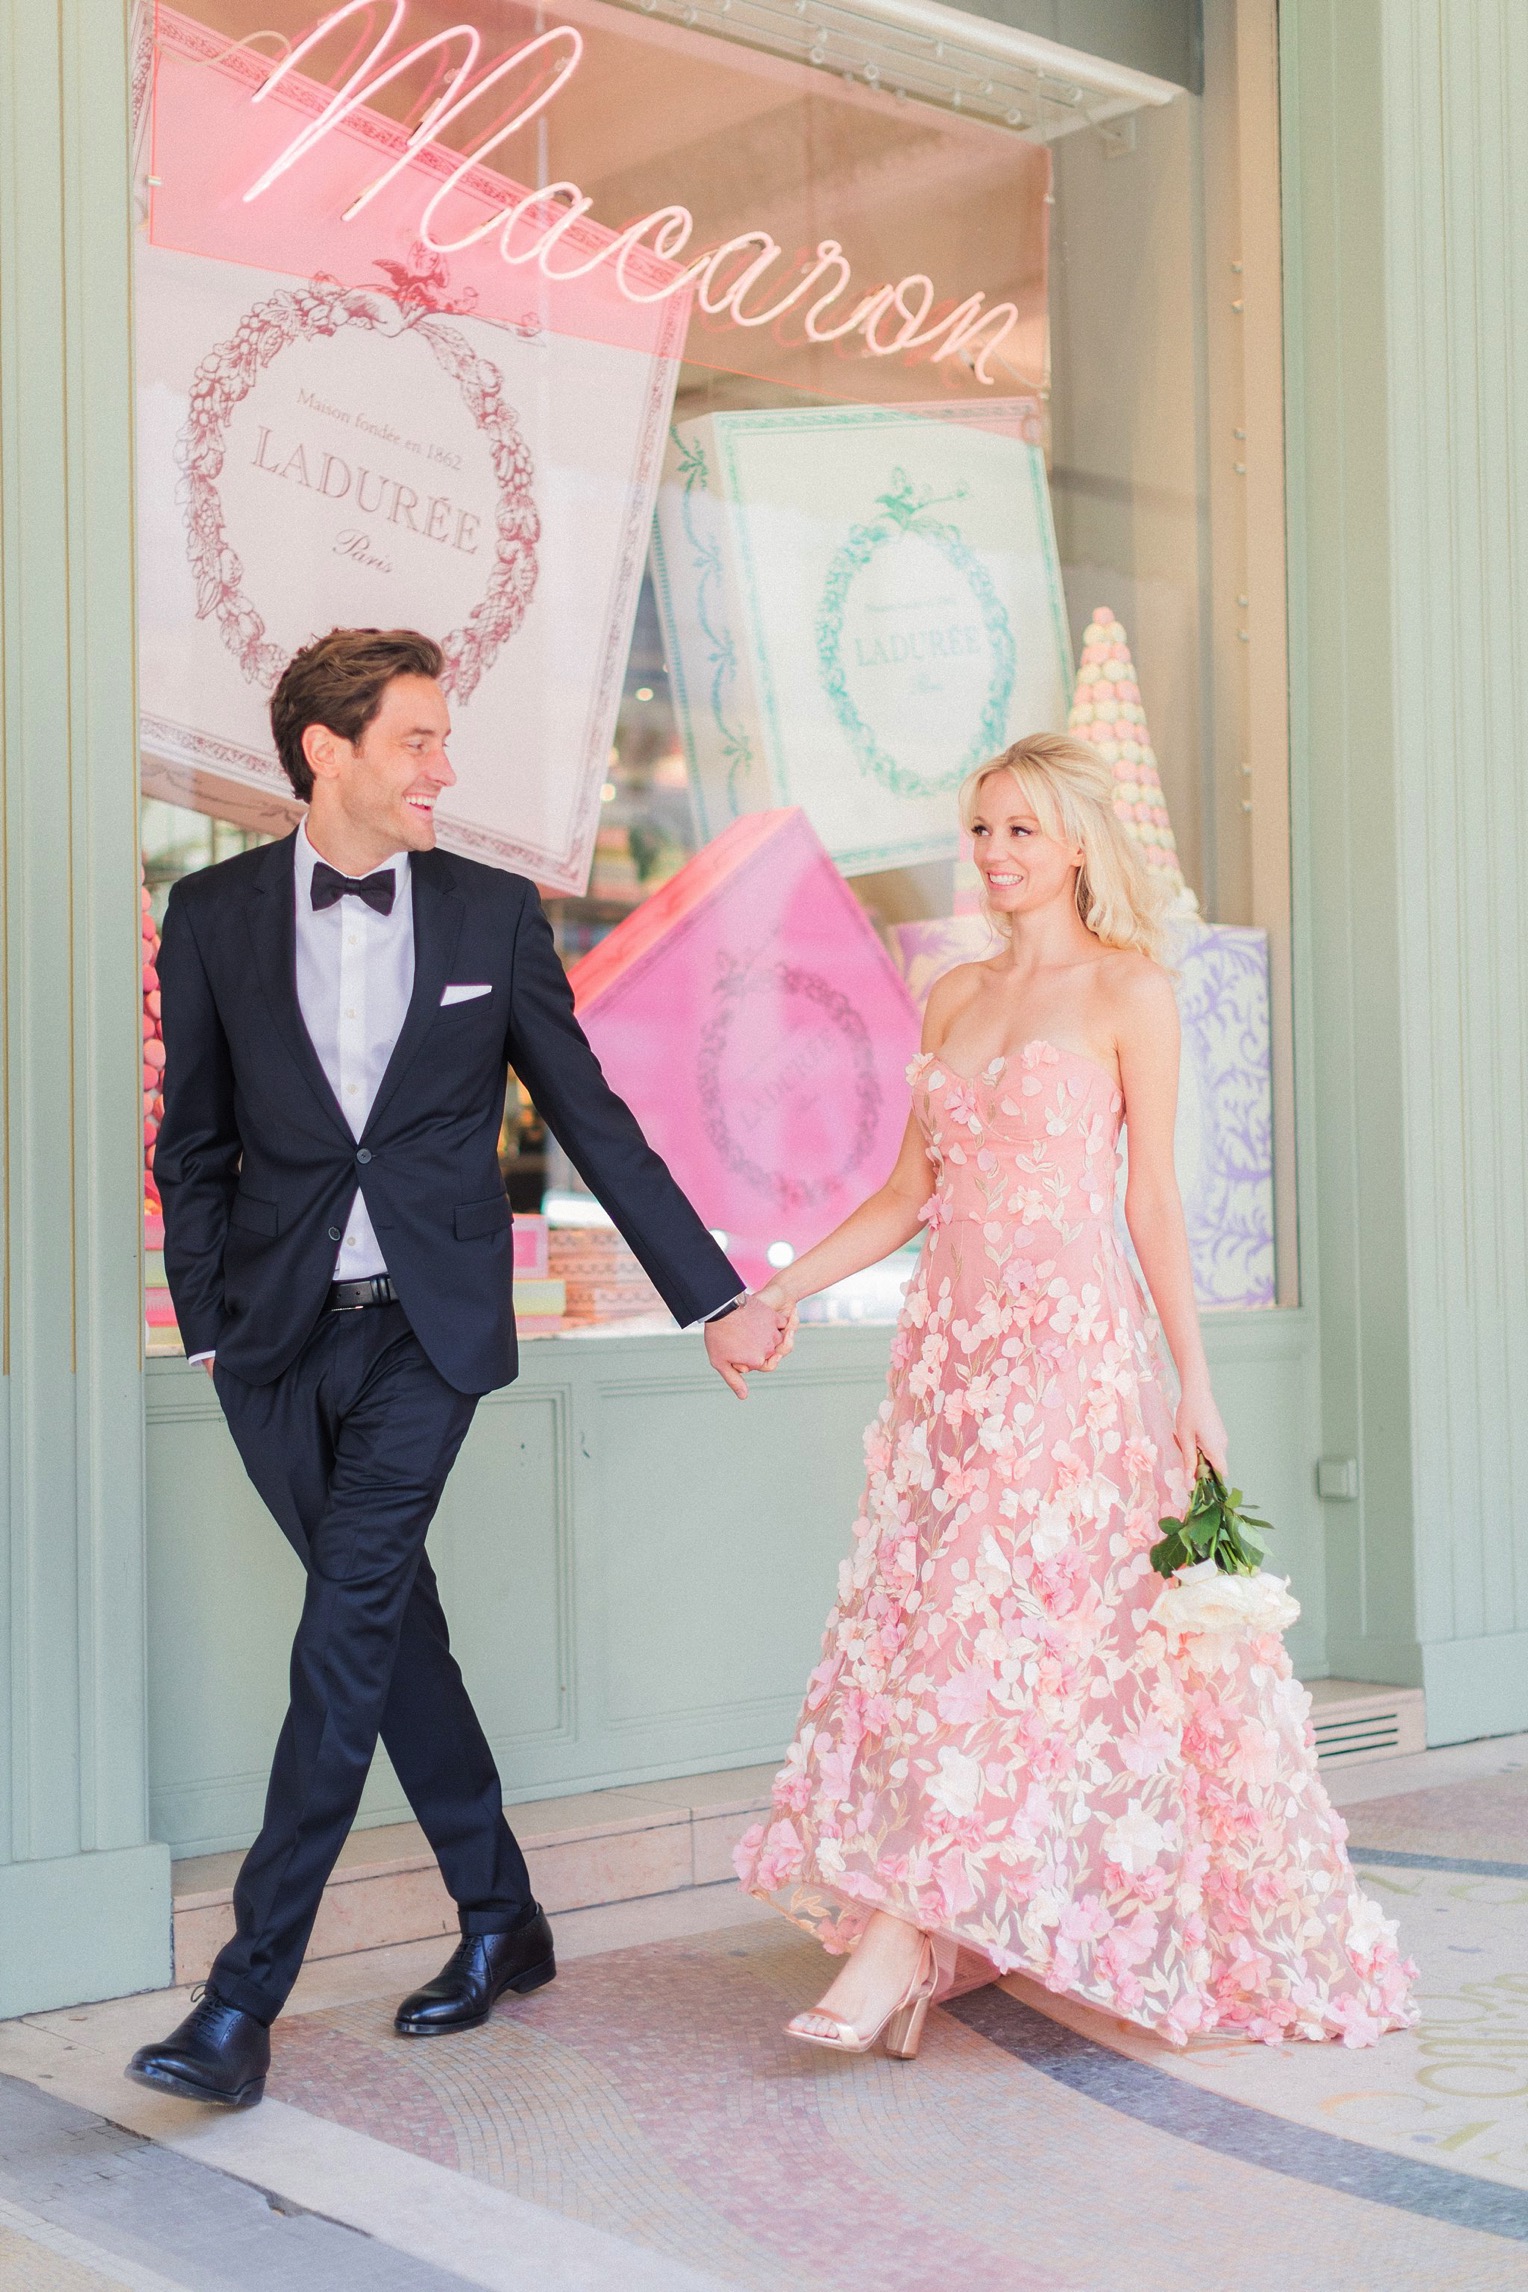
[1107,712]
[153,1050]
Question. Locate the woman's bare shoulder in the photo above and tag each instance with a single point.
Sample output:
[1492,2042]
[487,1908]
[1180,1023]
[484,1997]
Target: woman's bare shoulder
[948,997]
[1135,989]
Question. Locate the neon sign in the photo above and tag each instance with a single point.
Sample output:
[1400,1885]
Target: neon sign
[893,319]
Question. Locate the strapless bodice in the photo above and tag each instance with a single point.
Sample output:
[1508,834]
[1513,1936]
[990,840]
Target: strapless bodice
[1031,1141]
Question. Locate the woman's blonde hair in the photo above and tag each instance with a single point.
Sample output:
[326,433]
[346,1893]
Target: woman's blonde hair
[1071,790]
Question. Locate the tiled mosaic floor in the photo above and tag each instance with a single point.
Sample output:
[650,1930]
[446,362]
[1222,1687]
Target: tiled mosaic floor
[1485,1821]
[642,2126]
[651,2094]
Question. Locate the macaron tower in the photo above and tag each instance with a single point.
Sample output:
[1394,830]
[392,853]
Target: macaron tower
[153,1048]
[158,1309]
[1107,711]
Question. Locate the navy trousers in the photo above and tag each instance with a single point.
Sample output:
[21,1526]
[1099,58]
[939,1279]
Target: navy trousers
[351,1448]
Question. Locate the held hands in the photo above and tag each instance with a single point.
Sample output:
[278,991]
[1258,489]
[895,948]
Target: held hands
[757,1336]
[1198,1429]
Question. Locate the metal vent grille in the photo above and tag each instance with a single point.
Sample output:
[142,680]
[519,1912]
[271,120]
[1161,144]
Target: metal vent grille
[1354,1719]
[1342,1738]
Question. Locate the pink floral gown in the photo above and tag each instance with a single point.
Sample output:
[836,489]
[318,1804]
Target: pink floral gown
[999,1744]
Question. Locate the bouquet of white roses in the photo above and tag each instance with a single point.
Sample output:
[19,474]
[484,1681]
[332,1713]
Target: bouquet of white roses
[1217,1590]
[1214,1528]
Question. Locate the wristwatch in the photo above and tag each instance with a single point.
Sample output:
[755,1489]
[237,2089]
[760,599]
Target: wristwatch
[722,1311]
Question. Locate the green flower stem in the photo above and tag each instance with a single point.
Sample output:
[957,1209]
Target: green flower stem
[1213,1528]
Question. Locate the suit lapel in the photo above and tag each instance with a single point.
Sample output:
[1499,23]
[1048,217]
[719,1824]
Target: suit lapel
[273,929]
[438,914]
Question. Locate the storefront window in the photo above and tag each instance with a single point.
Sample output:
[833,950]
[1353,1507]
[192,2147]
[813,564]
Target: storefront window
[762,432]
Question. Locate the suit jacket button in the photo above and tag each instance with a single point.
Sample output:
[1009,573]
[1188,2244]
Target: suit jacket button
[364,1155]
[334,1233]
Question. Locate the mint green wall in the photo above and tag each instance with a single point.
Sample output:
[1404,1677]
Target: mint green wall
[1406,209]
[84,1900]
[635,1566]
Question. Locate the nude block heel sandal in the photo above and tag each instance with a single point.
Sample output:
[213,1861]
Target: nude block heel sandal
[901,2031]
[904,2031]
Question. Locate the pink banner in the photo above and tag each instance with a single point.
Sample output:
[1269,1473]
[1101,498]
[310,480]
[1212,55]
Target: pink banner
[756,1025]
[220,134]
[338,428]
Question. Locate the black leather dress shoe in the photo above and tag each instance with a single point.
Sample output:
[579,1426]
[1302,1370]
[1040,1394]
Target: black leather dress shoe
[218,2054]
[476,1975]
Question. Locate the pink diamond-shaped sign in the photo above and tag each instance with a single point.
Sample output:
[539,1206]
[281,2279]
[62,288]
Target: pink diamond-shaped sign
[756,1026]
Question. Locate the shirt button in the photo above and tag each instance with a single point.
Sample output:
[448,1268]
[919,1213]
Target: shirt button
[350,942]
[363,1154]
[334,1233]
[351,1089]
[350,1014]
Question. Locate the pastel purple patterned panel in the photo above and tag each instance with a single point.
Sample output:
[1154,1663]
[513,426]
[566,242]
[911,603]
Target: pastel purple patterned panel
[1225,1109]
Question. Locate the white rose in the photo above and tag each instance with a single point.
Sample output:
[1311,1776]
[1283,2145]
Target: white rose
[1203,1601]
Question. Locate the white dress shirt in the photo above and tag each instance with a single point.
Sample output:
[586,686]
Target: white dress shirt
[355,974]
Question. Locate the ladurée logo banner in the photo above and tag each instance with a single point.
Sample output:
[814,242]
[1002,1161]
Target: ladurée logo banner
[863,603]
[759,1030]
[370,450]
[300,370]
[816,1065]
[380,496]
[914,643]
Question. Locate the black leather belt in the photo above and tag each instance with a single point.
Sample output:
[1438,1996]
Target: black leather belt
[350,1296]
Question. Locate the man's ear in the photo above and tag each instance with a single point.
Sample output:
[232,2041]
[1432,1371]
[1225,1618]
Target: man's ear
[323,750]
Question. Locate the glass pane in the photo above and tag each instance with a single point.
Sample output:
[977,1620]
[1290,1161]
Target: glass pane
[753,435]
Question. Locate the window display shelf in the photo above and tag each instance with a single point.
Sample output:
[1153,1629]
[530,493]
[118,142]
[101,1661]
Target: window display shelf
[567,906]
[940,55]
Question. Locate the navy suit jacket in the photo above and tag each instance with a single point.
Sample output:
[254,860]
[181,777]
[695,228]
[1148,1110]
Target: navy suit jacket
[257,1165]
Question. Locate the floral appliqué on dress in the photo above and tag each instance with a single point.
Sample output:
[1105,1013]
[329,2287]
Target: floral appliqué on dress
[998,1744]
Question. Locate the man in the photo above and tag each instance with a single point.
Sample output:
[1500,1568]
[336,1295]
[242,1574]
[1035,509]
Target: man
[339,1009]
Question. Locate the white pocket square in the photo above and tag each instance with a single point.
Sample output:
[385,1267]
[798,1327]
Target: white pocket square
[464,994]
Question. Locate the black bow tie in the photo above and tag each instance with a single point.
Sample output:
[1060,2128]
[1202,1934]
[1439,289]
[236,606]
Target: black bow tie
[329,885]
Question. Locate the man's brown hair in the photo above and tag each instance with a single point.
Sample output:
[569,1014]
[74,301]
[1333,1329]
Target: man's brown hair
[338,682]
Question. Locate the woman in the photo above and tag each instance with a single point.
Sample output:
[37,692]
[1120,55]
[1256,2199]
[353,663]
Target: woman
[1000,1748]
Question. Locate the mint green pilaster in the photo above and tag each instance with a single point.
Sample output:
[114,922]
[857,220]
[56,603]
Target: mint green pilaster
[1407,319]
[84,1908]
